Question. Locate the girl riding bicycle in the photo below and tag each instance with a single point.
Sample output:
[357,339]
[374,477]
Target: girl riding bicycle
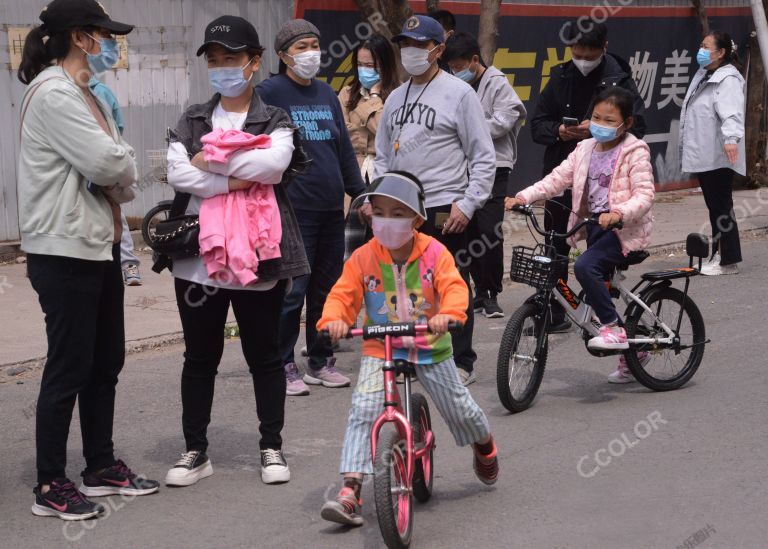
[402,276]
[612,181]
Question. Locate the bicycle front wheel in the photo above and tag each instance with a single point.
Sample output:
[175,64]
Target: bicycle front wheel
[520,366]
[391,491]
[669,367]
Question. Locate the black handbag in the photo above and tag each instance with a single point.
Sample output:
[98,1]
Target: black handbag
[174,238]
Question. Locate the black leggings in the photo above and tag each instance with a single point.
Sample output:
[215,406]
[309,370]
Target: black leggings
[83,305]
[717,187]
[203,312]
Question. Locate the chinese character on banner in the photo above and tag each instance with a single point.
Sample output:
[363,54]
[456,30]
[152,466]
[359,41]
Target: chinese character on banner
[675,80]
[644,73]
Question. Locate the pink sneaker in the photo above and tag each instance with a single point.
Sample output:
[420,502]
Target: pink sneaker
[327,376]
[622,373]
[611,338]
[294,386]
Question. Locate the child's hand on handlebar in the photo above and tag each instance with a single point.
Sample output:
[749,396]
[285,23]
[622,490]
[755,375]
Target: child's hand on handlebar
[510,202]
[337,329]
[438,324]
[606,220]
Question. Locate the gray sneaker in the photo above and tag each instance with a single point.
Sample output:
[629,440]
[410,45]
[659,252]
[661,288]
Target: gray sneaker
[327,376]
[467,378]
[294,386]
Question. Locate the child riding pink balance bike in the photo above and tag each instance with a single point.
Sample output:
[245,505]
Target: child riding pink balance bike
[405,278]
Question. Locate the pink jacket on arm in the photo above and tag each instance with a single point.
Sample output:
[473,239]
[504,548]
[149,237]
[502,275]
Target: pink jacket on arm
[631,191]
[220,144]
[241,228]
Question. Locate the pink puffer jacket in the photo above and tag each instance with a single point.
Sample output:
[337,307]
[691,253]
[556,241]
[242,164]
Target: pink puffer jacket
[630,194]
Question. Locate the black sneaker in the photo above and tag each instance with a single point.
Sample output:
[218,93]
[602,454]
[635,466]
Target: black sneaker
[65,501]
[117,480]
[479,302]
[193,466]
[274,468]
[492,309]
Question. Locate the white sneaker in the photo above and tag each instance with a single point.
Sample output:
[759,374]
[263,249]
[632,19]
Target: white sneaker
[274,469]
[717,269]
[192,466]
[467,378]
[714,260]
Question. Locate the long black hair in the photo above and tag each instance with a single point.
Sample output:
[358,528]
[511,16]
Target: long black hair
[384,58]
[39,54]
[723,41]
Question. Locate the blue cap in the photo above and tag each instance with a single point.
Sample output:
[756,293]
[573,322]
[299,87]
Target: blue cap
[421,28]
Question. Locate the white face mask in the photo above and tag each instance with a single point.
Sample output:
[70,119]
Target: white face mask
[307,64]
[392,232]
[586,66]
[416,60]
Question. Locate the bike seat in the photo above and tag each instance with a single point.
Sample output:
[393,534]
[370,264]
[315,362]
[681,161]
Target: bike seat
[405,367]
[670,274]
[633,258]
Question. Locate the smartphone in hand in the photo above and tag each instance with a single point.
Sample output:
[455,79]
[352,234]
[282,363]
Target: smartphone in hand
[569,121]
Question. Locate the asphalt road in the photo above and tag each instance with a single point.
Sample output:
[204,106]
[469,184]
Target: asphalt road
[699,475]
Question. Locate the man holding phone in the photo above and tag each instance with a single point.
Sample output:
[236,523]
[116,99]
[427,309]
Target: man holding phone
[434,127]
[563,112]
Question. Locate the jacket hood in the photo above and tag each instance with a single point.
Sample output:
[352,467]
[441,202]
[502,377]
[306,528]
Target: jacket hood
[256,114]
[721,73]
[629,144]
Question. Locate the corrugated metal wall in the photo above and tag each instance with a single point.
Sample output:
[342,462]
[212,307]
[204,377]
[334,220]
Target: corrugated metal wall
[163,77]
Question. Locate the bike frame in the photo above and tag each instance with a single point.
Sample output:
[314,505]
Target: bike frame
[393,405]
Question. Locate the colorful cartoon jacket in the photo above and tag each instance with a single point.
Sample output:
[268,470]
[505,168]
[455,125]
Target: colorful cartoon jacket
[428,284]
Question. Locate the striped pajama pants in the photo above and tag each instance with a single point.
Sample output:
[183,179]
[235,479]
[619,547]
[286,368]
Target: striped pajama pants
[466,421]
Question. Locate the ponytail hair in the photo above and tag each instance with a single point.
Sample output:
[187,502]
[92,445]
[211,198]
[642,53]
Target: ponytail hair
[40,53]
[723,41]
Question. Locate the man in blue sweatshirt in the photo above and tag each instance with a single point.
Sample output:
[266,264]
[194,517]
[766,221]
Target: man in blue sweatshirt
[317,196]
[433,126]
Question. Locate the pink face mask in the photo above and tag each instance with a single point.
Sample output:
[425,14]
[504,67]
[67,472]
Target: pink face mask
[392,232]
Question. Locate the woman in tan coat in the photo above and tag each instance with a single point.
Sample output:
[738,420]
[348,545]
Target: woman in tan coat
[375,76]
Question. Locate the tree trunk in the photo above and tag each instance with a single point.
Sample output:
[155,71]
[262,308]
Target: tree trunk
[433,5]
[386,16]
[756,119]
[489,29]
[701,11]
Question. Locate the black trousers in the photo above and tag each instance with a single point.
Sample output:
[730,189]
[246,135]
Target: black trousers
[485,237]
[83,305]
[717,187]
[463,353]
[203,311]
[556,214]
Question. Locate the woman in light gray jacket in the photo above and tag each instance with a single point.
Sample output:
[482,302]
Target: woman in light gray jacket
[74,169]
[712,143]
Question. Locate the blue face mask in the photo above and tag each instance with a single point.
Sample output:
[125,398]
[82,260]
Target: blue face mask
[229,81]
[368,77]
[603,134]
[106,58]
[704,57]
[467,75]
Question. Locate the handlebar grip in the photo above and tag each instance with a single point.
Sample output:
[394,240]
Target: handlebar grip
[521,208]
[455,327]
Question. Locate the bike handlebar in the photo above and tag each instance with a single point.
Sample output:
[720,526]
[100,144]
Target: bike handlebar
[397,329]
[527,210]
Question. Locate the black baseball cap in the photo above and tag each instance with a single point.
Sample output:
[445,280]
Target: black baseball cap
[234,33]
[61,15]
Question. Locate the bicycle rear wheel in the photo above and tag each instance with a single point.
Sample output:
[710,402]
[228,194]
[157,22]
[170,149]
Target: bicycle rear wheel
[391,491]
[668,368]
[520,366]
[422,423]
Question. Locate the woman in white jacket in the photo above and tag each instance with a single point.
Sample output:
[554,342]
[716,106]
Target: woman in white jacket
[74,170]
[712,143]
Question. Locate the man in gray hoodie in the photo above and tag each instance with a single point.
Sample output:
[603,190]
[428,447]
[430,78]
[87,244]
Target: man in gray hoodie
[433,127]
[504,116]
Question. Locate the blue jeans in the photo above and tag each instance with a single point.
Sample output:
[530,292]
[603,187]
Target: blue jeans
[591,268]
[323,236]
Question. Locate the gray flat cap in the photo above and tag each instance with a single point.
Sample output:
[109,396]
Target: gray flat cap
[294,30]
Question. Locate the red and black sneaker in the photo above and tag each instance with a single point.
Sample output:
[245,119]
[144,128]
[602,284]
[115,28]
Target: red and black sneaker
[345,509]
[117,480]
[64,501]
[486,465]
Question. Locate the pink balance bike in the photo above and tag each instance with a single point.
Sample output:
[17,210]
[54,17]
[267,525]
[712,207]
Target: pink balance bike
[402,457]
